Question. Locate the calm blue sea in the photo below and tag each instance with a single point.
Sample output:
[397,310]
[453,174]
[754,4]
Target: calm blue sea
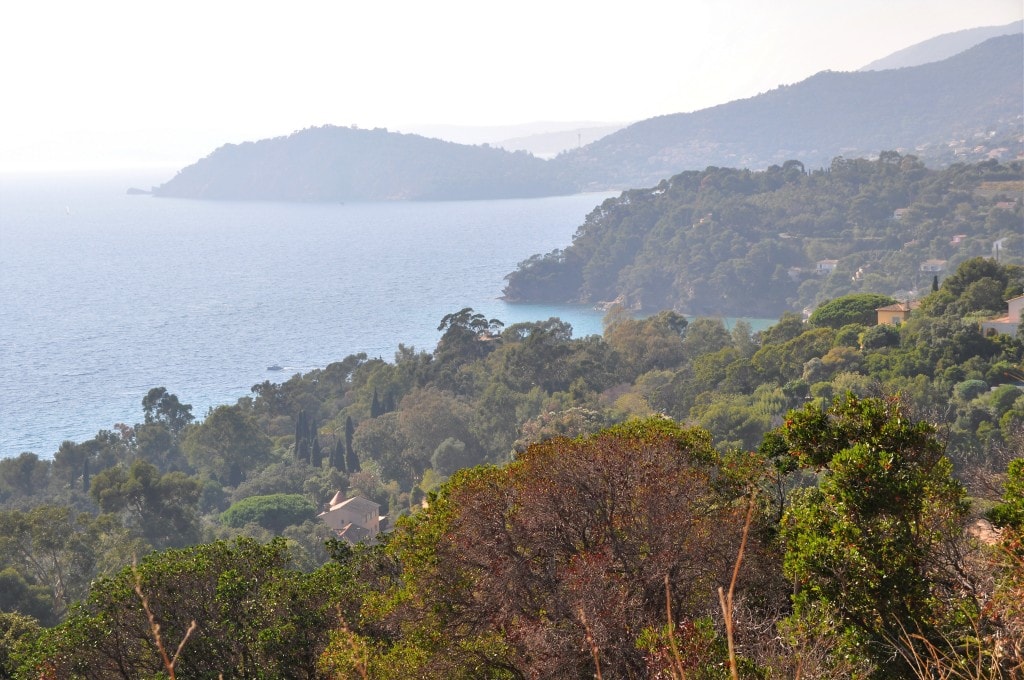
[105,295]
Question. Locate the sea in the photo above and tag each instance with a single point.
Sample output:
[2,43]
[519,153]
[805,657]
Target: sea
[104,295]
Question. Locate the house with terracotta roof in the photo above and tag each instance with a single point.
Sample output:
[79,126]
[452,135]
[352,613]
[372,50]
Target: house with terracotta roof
[356,519]
[897,313]
[1010,322]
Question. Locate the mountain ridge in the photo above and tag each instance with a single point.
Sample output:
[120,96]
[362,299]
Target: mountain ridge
[942,47]
[827,115]
[929,110]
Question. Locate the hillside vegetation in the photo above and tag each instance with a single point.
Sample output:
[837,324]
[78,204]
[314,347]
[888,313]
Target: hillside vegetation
[741,243]
[861,441]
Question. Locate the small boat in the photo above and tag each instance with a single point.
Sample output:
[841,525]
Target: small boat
[275,367]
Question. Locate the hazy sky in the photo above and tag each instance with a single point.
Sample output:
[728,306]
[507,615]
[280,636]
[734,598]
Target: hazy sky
[110,83]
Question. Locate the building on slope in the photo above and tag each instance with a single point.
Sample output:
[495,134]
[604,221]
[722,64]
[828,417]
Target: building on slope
[356,519]
[1009,323]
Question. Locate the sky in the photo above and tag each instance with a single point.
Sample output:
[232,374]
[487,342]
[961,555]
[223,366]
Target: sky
[117,84]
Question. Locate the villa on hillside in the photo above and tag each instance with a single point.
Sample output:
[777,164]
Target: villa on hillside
[933,266]
[825,266]
[1008,324]
[897,313]
[356,519]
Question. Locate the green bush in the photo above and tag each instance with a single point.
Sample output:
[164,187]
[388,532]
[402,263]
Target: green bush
[855,308]
[274,512]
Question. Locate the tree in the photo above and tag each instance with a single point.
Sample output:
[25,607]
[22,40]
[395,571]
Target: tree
[14,629]
[226,445]
[467,335]
[567,550]
[656,342]
[427,418]
[1010,512]
[23,475]
[880,336]
[854,308]
[449,457]
[161,507]
[160,406]
[24,596]
[157,444]
[255,616]
[52,546]
[274,513]
[382,440]
[705,336]
[871,541]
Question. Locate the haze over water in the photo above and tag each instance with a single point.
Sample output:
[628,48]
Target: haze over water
[106,295]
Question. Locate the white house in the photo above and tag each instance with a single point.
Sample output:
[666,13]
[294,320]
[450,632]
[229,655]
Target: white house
[825,266]
[933,266]
[1007,325]
[355,519]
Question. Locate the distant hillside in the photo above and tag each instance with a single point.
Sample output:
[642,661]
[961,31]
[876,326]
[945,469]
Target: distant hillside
[738,243]
[963,108]
[942,47]
[345,164]
[550,144]
[827,115]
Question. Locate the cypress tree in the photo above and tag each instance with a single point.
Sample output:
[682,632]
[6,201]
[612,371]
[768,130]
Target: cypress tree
[935,283]
[352,461]
[300,433]
[338,455]
[375,405]
[313,433]
[316,454]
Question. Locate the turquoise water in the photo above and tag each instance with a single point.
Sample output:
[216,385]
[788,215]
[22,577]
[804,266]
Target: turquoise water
[105,295]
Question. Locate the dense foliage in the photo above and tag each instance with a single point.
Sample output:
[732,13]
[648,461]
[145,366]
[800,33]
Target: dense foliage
[532,539]
[742,243]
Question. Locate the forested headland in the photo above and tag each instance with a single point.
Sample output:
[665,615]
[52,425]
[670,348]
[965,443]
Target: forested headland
[670,498]
[731,242]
